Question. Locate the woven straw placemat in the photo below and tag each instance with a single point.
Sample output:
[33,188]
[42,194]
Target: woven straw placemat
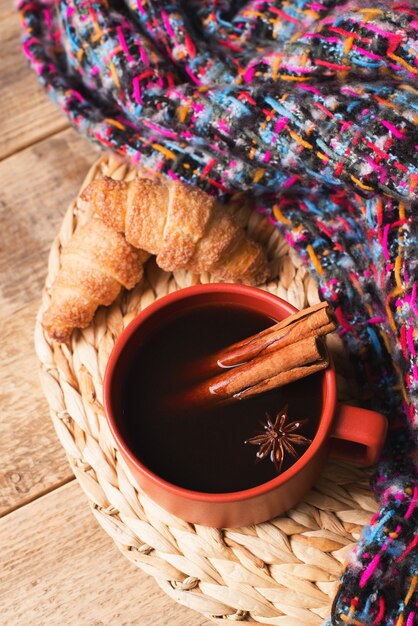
[283,572]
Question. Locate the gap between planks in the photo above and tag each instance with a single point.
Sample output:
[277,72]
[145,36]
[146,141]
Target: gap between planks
[28,115]
[60,567]
[36,496]
[39,139]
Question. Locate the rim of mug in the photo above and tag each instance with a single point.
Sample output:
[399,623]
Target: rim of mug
[325,423]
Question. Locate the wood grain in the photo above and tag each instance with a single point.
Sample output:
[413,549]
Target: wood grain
[37,185]
[26,113]
[7,7]
[60,567]
[32,459]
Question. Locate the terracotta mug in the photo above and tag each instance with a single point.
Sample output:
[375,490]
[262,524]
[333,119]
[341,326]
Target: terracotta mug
[344,432]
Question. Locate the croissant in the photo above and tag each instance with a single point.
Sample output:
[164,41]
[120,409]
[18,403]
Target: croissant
[95,264]
[182,225]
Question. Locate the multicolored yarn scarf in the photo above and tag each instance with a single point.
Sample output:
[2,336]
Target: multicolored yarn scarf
[312,107]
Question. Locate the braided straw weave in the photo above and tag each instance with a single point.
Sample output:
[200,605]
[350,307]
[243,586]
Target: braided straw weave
[283,572]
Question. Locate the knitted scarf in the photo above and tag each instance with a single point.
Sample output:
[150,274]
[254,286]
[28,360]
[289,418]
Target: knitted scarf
[311,106]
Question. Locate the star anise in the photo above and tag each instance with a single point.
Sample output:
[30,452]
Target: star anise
[278,438]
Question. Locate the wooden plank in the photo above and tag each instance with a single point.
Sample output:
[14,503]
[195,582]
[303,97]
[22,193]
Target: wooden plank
[7,7]
[32,459]
[37,186]
[60,567]
[27,114]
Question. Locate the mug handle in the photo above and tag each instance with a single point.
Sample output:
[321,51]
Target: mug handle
[358,435]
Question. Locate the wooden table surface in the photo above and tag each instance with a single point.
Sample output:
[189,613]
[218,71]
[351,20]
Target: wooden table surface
[57,566]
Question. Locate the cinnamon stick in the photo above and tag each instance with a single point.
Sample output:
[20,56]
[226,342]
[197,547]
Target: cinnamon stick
[264,370]
[315,321]
[260,374]
[281,354]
